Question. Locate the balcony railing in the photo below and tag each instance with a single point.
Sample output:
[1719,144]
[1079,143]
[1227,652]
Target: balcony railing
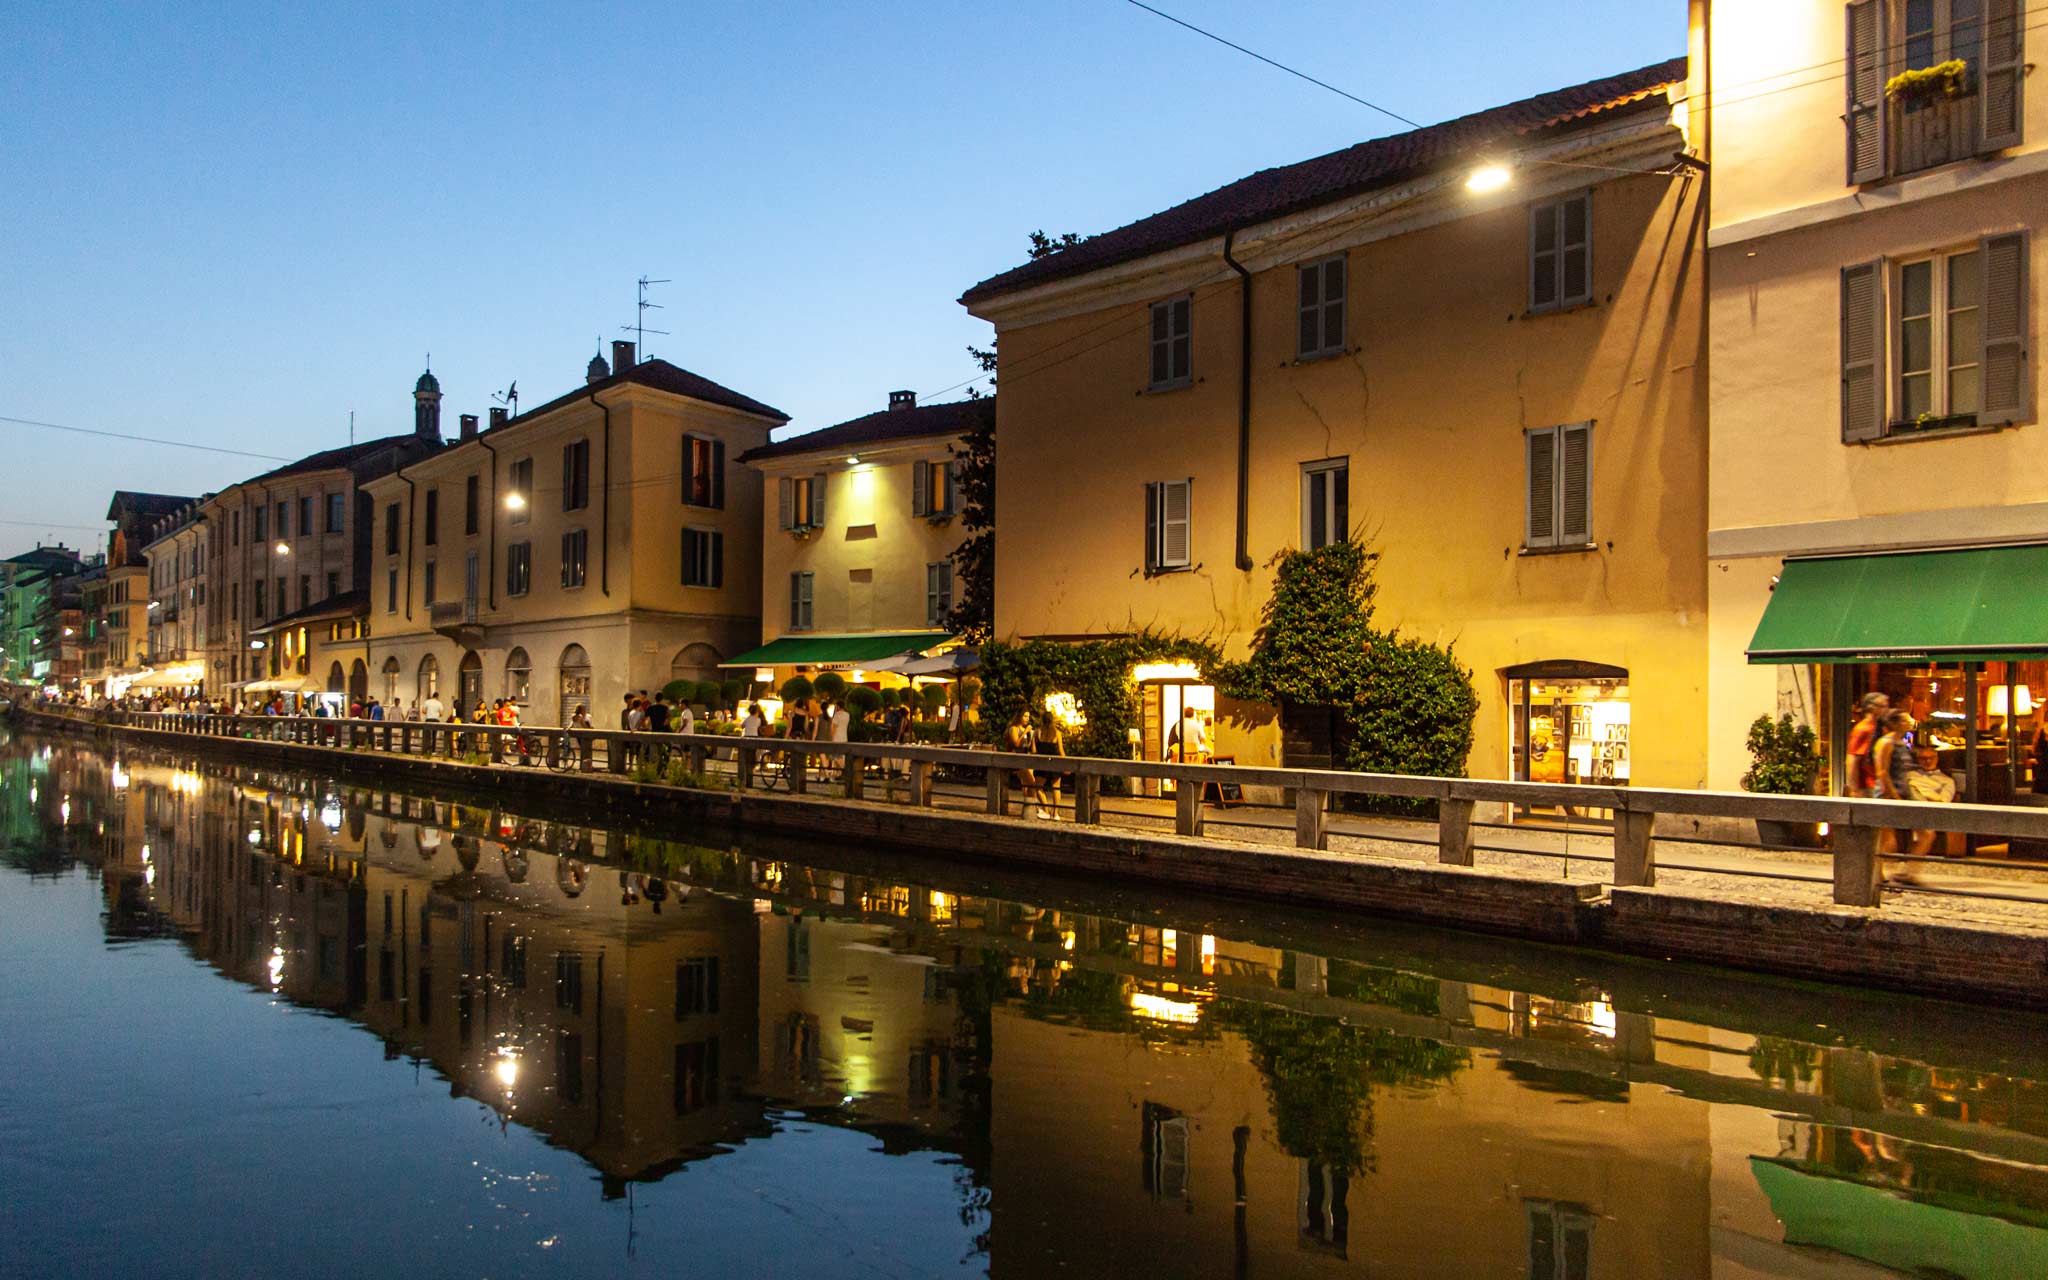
[1933,131]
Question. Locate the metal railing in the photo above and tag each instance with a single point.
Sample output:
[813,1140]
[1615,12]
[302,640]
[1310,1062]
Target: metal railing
[909,774]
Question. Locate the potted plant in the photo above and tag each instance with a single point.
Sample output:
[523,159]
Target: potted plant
[1949,79]
[1784,761]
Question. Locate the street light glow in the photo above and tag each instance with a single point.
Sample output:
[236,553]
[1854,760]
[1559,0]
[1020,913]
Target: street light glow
[515,501]
[1487,177]
[284,549]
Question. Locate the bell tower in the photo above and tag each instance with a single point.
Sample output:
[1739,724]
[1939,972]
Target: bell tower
[426,406]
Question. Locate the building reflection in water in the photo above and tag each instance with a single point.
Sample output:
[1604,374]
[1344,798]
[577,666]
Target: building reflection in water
[1131,1094]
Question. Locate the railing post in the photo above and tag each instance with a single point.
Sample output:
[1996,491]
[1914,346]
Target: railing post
[1856,866]
[1635,852]
[697,759]
[586,750]
[998,781]
[743,763]
[614,753]
[1311,819]
[1187,808]
[1454,832]
[1088,798]
[853,771]
[796,768]
[497,741]
[920,783]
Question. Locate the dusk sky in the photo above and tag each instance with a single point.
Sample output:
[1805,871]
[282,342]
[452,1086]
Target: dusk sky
[232,224]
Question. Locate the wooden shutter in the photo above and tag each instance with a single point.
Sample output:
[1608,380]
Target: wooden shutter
[786,487]
[1542,497]
[1865,112]
[817,520]
[952,477]
[1151,527]
[1575,485]
[717,541]
[690,471]
[920,488]
[1310,338]
[568,477]
[1863,351]
[1174,523]
[1333,304]
[1575,244]
[2003,327]
[1543,229]
[2002,72]
[718,474]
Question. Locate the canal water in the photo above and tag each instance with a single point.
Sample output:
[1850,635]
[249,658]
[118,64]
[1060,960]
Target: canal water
[264,1024]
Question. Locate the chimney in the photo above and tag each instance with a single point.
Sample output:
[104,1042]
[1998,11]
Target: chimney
[498,415]
[903,399]
[622,356]
[469,426]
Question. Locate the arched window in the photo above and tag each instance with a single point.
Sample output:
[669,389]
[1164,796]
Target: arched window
[695,662]
[358,681]
[336,682]
[430,677]
[391,681]
[518,676]
[470,683]
[575,683]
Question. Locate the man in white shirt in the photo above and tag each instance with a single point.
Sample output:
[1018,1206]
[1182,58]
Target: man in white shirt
[431,710]
[684,720]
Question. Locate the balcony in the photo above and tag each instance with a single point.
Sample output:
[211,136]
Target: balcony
[1934,131]
[456,619]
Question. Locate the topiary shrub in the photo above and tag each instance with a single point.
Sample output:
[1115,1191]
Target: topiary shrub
[732,691]
[796,689]
[679,691]
[933,696]
[890,698]
[863,701]
[707,693]
[830,685]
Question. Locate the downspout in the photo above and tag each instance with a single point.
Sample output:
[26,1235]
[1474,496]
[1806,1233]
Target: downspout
[491,522]
[1244,406]
[604,533]
[412,502]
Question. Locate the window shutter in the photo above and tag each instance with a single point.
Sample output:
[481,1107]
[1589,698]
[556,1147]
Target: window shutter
[1575,496]
[818,501]
[1575,239]
[718,474]
[1863,362]
[951,473]
[568,477]
[2003,72]
[2003,329]
[1543,228]
[786,486]
[1865,113]
[1151,527]
[1173,524]
[690,470]
[1310,338]
[921,489]
[1333,304]
[1542,504]
[717,559]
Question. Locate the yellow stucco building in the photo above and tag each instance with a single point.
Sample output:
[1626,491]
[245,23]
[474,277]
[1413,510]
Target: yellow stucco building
[601,543]
[1477,345]
[1876,455]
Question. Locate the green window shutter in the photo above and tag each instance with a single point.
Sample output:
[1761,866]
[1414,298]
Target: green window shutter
[786,487]
[817,520]
[2002,73]
[2003,328]
[1863,352]
[1865,111]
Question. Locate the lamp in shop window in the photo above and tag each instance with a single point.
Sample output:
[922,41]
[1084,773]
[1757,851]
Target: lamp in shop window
[2019,702]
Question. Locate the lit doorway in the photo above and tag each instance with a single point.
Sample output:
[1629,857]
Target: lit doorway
[1568,722]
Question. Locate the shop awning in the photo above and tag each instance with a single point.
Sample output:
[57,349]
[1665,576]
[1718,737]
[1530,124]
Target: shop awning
[837,651]
[169,678]
[1965,1236]
[1982,604]
[295,684]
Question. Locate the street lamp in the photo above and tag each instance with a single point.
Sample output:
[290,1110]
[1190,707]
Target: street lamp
[1488,177]
[284,548]
[515,501]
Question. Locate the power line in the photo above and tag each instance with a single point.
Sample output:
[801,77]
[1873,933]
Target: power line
[46,524]
[122,435]
[1281,66]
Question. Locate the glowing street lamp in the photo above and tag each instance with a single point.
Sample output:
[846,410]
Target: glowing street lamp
[1487,177]
[284,548]
[515,501]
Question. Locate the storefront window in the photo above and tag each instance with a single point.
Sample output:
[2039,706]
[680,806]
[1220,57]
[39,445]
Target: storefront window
[1991,710]
[1568,722]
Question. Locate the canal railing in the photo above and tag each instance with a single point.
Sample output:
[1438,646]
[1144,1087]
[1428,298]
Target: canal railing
[902,773]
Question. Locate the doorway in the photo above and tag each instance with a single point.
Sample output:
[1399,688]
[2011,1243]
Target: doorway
[470,683]
[1568,722]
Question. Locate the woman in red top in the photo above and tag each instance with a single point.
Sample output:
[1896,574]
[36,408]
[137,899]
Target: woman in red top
[1863,781]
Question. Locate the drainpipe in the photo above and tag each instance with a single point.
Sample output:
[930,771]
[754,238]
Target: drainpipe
[412,502]
[491,523]
[604,532]
[1244,407]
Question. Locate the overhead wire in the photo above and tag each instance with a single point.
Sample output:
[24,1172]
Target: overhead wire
[123,435]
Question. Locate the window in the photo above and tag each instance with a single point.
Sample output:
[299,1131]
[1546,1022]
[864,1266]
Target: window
[234,528]
[1164,1142]
[1325,502]
[433,516]
[1937,340]
[800,602]
[391,530]
[427,582]
[305,590]
[803,502]
[256,600]
[333,584]
[337,512]
[305,515]
[284,520]
[568,981]
[1560,507]
[1172,342]
[932,486]
[470,510]
[704,472]
[576,475]
[518,568]
[696,1081]
[575,554]
[696,987]
[1888,136]
[1321,285]
[1561,252]
[518,676]
[519,493]
[1168,508]
[703,558]
[1560,1240]
[391,589]
[259,523]
[938,592]
[234,603]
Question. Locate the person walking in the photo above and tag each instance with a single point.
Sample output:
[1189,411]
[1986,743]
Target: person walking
[1021,739]
[431,710]
[1894,767]
[1049,741]
[1872,709]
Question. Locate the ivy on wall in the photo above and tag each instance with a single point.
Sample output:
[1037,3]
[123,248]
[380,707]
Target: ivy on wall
[1096,672]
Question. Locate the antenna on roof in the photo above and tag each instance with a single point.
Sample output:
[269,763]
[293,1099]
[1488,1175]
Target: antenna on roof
[639,328]
[509,397]
[351,427]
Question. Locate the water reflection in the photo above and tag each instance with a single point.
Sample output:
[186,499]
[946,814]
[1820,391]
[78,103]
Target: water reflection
[1115,1096]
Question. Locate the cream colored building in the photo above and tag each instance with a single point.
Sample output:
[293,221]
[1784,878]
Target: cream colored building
[1876,452]
[856,549]
[174,641]
[602,543]
[1498,384]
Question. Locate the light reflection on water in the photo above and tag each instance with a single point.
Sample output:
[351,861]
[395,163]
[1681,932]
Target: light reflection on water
[590,1051]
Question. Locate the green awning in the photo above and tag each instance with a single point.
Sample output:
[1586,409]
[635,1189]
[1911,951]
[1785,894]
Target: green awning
[837,651]
[1984,604]
[1911,1235]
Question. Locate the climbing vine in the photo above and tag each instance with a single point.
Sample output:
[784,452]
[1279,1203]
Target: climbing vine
[1098,675]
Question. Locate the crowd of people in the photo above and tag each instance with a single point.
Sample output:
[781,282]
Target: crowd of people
[1885,762]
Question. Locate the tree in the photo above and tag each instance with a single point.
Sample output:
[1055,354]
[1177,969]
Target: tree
[973,614]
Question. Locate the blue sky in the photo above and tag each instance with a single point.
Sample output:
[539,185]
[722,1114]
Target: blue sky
[232,224]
